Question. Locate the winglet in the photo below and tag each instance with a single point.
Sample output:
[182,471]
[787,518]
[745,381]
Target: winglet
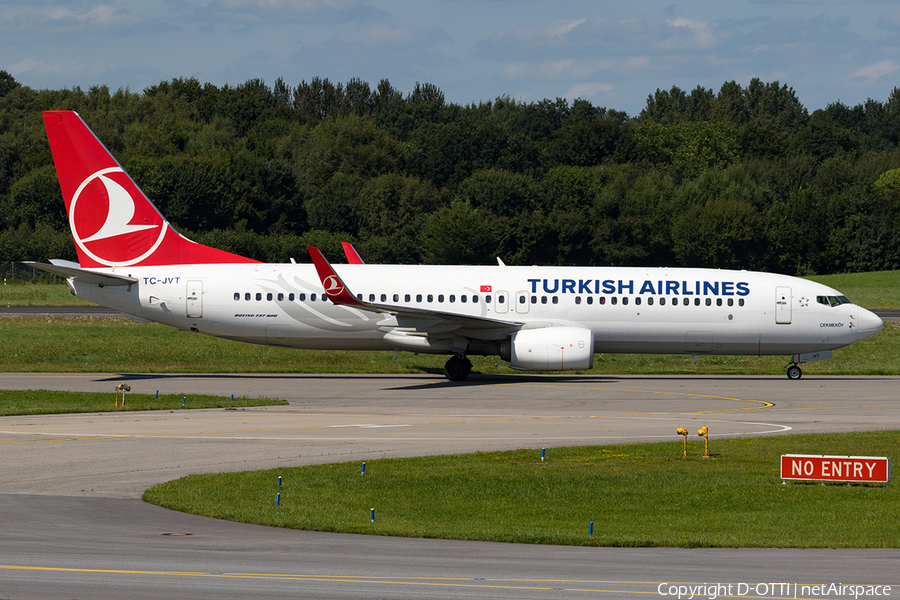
[352,255]
[335,288]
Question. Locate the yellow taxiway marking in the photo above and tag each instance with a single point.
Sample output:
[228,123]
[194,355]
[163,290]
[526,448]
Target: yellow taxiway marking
[762,403]
[468,582]
[558,585]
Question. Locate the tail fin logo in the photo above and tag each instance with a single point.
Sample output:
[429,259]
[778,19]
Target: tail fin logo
[332,285]
[105,224]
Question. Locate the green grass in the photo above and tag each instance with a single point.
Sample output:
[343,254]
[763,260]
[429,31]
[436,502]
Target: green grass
[39,294]
[636,495]
[120,345]
[42,402]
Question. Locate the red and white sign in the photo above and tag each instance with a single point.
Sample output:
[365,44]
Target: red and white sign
[485,289]
[813,467]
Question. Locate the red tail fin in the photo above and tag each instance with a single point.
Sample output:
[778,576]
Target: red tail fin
[114,224]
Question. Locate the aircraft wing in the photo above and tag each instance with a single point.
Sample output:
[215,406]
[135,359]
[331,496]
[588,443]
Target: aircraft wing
[340,295]
[73,271]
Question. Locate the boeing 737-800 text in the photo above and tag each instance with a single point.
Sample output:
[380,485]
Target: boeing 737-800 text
[537,318]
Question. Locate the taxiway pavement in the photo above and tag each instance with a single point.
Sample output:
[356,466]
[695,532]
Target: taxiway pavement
[72,524]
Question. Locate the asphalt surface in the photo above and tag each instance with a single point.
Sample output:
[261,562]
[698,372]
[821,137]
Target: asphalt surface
[72,524]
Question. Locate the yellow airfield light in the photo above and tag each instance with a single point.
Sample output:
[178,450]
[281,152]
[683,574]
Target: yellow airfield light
[704,433]
[683,432]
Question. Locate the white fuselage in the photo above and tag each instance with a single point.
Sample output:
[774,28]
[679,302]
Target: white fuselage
[639,310]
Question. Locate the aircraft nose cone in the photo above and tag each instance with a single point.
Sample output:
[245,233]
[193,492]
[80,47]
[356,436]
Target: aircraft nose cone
[867,324]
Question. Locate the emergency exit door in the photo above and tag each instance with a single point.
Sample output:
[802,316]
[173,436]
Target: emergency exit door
[782,305]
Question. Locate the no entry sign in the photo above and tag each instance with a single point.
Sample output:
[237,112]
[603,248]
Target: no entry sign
[836,468]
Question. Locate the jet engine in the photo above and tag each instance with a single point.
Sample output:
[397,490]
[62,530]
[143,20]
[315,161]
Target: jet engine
[550,349]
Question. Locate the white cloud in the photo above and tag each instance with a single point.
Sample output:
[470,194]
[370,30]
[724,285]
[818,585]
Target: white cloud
[693,34]
[871,73]
[556,30]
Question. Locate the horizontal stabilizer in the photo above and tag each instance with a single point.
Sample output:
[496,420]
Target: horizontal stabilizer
[84,275]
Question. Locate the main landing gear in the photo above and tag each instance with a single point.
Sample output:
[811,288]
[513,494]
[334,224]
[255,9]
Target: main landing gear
[457,368]
[794,372]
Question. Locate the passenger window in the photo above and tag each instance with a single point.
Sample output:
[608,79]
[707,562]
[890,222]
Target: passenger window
[359,296]
[247,296]
[463,298]
[650,301]
[280,296]
[709,301]
[637,301]
[475,299]
[406,298]
[741,302]
[614,300]
[237,295]
[696,301]
[418,297]
[590,299]
[452,298]
[384,297]
[291,297]
[731,302]
[543,299]
[501,299]
[371,297]
[602,300]
[258,296]
[301,297]
[687,301]
[440,297]
[555,300]
[430,298]
[487,299]
[625,301]
[521,299]
[577,299]
[662,301]
[312,297]
[396,297]
[718,302]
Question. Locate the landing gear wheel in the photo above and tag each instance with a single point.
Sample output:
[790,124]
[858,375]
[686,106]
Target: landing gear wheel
[794,372]
[457,368]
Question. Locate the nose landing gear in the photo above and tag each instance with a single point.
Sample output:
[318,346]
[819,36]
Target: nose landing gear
[794,372]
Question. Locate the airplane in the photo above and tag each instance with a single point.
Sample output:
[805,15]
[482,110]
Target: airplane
[537,318]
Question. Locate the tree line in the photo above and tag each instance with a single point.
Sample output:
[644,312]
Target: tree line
[744,177]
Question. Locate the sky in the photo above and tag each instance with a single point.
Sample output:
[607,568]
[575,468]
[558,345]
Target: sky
[614,54]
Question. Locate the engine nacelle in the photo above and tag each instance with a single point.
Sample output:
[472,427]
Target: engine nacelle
[551,349]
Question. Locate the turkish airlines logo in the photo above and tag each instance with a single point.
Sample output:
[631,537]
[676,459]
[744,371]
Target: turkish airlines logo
[108,225]
[332,285]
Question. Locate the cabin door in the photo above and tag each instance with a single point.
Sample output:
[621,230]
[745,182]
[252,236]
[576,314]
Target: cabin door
[195,299]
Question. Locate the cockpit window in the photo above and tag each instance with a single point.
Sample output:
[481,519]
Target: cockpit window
[832,300]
